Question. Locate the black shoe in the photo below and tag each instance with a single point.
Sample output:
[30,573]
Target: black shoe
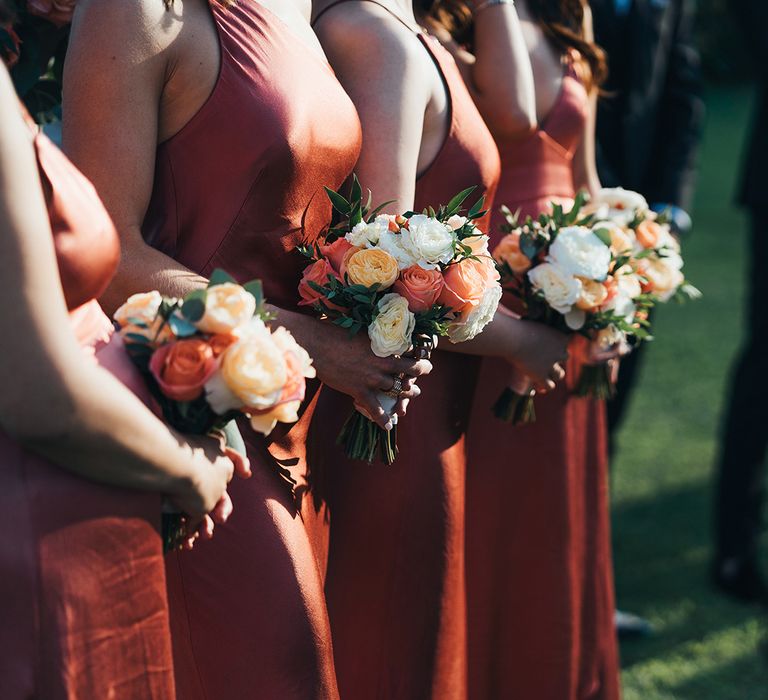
[741,580]
[629,626]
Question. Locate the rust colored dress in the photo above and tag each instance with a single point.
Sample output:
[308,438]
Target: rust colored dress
[539,572]
[238,188]
[395,579]
[82,584]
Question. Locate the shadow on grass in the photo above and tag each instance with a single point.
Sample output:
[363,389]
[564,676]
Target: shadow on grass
[662,557]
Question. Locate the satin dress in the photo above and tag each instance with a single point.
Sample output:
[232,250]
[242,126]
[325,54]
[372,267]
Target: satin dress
[395,579]
[238,188]
[82,582]
[539,571]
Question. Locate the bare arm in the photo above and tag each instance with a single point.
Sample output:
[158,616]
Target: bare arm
[584,161]
[498,73]
[112,94]
[89,423]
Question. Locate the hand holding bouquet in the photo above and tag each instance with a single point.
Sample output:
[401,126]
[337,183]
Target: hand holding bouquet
[586,271]
[405,280]
[211,357]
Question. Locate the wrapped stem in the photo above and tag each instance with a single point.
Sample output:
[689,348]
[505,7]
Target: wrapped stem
[596,381]
[365,441]
[515,405]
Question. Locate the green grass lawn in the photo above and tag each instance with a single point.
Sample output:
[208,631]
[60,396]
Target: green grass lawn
[706,648]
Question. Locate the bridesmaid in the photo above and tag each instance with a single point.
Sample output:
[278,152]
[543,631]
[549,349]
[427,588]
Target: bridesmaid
[395,580]
[83,462]
[210,128]
[539,572]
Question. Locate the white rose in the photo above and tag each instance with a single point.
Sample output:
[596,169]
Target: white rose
[477,318]
[365,235]
[284,339]
[429,241]
[393,243]
[578,251]
[391,330]
[623,306]
[456,222]
[561,290]
[621,204]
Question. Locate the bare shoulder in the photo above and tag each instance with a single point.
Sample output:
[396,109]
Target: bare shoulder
[365,30]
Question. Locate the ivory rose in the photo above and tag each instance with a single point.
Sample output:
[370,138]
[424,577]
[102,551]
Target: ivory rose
[429,241]
[299,369]
[508,251]
[622,240]
[664,275]
[58,12]
[578,251]
[182,368]
[561,290]
[617,204]
[627,282]
[391,330]
[465,285]
[139,316]
[456,222]
[227,307]
[394,244]
[318,273]
[372,267]
[253,370]
[420,287]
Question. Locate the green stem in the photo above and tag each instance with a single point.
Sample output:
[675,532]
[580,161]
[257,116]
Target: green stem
[518,409]
[595,382]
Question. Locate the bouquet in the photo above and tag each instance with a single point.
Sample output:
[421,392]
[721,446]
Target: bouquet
[405,280]
[596,271]
[211,357]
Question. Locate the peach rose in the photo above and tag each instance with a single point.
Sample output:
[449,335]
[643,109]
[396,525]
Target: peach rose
[372,266]
[649,234]
[508,251]
[338,253]
[139,316]
[182,368]
[318,273]
[227,307]
[420,287]
[220,342]
[593,294]
[465,285]
[58,12]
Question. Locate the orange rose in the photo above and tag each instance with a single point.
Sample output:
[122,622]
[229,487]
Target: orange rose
[220,342]
[593,294]
[465,285]
[182,368]
[420,287]
[508,251]
[649,234]
[338,253]
[318,273]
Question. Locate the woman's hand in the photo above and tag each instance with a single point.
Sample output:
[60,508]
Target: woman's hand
[348,365]
[540,352]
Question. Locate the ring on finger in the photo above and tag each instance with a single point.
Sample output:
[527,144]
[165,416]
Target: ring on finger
[397,387]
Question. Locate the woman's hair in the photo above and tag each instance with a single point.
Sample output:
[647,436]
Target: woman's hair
[562,21]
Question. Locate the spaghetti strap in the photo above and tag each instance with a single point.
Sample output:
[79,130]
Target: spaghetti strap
[416,30]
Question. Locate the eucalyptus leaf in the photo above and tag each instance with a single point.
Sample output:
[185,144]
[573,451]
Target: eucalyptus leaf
[193,307]
[219,276]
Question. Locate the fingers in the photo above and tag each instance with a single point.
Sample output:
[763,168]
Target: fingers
[407,366]
[241,463]
[223,509]
[558,373]
[402,407]
[369,406]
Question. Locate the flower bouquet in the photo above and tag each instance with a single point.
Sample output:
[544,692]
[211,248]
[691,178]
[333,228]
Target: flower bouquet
[403,279]
[210,358]
[583,272]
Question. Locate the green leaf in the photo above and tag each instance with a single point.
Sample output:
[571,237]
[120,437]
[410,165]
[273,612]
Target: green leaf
[604,235]
[372,215]
[256,289]
[356,193]
[137,339]
[219,276]
[475,211]
[193,307]
[340,204]
[455,204]
[181,327]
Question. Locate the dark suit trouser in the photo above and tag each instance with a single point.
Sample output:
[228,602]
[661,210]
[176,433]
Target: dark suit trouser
[740,478]
[629,371]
